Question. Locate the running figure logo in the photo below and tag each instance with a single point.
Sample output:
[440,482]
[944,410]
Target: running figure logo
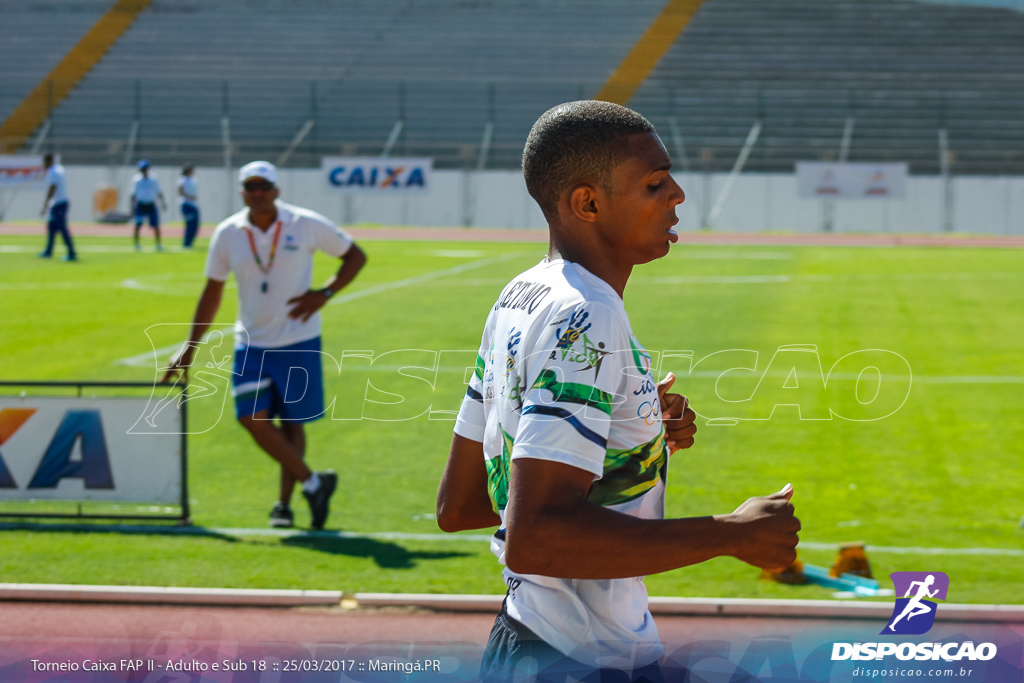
[914,613]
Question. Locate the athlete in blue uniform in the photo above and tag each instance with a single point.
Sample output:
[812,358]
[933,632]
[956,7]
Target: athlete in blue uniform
[187,190]
[57,205]
[145,193]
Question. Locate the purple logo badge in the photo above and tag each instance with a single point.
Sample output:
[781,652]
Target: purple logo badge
[914,613]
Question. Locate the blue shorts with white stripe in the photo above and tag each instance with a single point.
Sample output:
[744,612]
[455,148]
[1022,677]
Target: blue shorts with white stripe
[287,381]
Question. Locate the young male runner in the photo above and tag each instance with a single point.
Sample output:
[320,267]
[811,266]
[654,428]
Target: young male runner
[563,437]
[269,246]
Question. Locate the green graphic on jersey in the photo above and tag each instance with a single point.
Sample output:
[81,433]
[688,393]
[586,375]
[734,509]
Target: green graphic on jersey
[641,359]
[571,392]
[631,473]
[497,473]
[479,372]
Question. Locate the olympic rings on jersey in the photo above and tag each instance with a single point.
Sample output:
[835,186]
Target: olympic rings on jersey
[650,411]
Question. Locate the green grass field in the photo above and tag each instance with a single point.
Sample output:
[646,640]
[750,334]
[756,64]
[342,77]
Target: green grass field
[944,471]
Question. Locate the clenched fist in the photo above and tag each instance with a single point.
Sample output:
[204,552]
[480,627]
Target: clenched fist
[766,530]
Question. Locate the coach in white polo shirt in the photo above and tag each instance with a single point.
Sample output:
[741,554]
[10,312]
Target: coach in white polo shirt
[269,246]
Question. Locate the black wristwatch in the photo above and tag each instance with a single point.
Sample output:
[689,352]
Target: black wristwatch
[327,292]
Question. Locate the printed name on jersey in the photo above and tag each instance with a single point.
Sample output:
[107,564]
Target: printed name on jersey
[524,296]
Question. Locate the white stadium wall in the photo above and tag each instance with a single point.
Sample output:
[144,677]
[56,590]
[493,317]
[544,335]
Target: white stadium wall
[498,199]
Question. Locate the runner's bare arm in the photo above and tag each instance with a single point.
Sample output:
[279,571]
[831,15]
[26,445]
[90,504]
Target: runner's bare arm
[206,311]
[308,303]
[49,196]
[462,500]
[553,530]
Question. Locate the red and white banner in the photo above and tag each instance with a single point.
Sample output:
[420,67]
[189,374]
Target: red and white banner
[826,179]
[21,171]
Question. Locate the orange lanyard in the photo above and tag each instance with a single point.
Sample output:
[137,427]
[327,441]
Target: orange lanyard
[273,249]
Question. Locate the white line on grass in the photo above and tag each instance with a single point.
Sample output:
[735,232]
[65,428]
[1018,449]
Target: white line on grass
[688,254]
[187,289]
[83,248]
[58,285]
[377,536]
[424,277]
[917,550]
[850,376]
[242,532]
[144,359]
[715,279]
[806,278]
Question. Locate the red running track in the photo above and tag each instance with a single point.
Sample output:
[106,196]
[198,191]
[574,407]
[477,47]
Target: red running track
[75,632]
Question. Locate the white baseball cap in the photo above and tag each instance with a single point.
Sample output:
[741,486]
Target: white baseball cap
[258,169]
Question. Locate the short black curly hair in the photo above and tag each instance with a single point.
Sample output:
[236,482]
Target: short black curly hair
[577,142]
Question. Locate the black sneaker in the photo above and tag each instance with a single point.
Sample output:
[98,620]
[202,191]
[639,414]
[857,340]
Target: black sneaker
[319,500]
[281,516]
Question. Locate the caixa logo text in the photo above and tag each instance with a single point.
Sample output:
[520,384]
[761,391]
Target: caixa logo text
[82,426]
[376,174]
[949,652]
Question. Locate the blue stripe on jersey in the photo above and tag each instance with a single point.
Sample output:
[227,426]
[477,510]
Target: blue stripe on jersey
[584,431]
[474,394]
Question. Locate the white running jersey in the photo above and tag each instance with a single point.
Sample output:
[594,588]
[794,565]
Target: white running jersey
[560,376]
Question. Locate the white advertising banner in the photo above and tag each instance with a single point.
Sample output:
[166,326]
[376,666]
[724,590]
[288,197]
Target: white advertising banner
[80,449]
[20,171]
[376,174]
[825,179]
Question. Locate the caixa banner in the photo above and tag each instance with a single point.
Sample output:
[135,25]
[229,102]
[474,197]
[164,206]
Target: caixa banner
[20,171]
[80,449]
[377,174]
